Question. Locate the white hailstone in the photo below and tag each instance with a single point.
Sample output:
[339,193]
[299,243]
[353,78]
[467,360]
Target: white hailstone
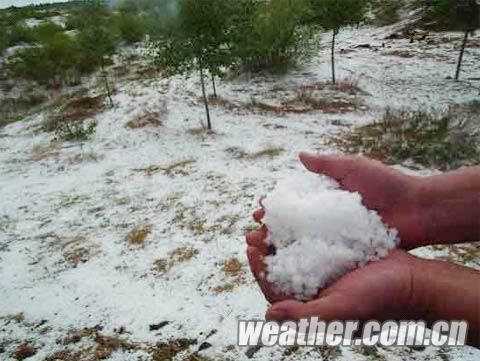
[320,233]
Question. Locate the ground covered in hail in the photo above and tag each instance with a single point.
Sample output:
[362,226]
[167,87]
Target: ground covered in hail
[131,245]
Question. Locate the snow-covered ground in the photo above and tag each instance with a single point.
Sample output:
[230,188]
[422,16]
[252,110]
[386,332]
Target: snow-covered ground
[65,217]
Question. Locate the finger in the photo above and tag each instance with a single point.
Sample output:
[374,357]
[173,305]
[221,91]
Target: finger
[256,261]
[258,215]
[380,290]
[257,239]
[260,201]
[331,307]
[334,166]
[258,267]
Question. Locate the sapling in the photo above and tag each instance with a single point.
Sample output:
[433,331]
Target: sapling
[333,15]
[96,45]
[459,15]
[199,42]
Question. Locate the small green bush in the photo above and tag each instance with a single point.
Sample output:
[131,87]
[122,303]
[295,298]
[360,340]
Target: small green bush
[75,131]
[19,34]
[47,30]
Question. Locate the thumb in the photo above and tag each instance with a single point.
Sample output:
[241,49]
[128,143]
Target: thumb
[334,166]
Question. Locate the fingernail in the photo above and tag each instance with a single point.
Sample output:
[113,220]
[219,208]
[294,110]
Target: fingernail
[277,314]
[307,155]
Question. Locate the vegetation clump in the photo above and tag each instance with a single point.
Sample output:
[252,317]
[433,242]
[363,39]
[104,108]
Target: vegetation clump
[138,235]
[435,140]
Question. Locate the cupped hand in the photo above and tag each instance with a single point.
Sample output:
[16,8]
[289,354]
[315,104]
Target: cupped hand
[257,250]
[383,189]
[380,290]
[393,194]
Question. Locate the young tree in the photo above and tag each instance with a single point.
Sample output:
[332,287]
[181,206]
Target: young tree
[199,43]
[460,15]
[335,14]
[95,45]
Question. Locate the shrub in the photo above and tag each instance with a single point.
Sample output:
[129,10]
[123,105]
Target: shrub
[19,34]
[129,27]
[75,131]
[46,31]
[3,41]
[48,63]
[451,14]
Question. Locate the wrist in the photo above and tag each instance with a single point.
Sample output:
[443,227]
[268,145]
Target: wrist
[415,210]
[446,209]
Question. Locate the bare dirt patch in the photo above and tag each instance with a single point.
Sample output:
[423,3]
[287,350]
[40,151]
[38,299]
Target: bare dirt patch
[76,110]
[150,119]
[408,54]
[24,351]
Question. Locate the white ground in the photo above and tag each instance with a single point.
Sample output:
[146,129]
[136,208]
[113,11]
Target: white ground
[54,207]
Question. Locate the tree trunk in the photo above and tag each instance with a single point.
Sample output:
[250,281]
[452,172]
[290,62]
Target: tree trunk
[205,100]
[107,86]
[460,58]
[214,87]
[333,55]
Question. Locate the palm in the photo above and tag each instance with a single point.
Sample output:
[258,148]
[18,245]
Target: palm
[380,290]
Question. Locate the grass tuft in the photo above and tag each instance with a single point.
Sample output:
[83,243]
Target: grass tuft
[239,153]
[177,256]
[235,275]
[138,235]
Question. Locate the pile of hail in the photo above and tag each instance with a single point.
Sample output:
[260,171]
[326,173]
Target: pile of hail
[320,233]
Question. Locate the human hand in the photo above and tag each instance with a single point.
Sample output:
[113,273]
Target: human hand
[390,192]
[399,287]
[384,189]
[381,287]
